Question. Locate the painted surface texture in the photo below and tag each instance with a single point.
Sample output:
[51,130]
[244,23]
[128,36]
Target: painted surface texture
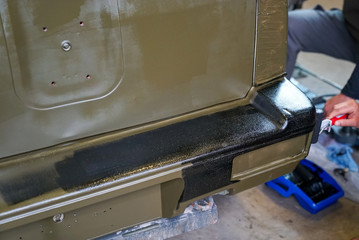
[74,70]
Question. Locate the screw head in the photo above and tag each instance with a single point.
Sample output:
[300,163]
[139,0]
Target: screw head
[66,45]
[58,218]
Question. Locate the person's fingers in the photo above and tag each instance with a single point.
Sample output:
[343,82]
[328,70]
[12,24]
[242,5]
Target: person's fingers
[352,103]
[340,111]
[351,108]
[329,105]
[347,122]
[347,107]
[328,108]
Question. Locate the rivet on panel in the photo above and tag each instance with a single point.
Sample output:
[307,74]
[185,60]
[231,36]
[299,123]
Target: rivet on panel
[82,23]
[58,218]
[88,76]
[44,29]
[66,45]
[53,83]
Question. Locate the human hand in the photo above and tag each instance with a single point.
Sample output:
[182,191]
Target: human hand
[329,105]
[350,107]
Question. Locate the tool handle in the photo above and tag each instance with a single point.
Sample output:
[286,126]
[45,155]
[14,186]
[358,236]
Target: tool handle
[334,119]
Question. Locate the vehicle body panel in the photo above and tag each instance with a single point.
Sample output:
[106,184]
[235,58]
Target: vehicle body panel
[185,99]
[146,62]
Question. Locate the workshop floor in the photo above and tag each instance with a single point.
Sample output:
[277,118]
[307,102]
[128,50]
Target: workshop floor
[261,213]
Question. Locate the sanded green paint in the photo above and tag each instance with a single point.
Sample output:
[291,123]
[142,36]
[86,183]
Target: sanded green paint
[271,41]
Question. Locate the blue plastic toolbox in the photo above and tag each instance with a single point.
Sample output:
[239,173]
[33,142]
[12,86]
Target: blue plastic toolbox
[314,188]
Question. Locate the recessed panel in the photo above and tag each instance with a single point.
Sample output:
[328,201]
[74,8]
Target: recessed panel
[64,52]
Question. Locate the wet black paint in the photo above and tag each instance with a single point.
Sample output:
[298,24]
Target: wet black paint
[209,142]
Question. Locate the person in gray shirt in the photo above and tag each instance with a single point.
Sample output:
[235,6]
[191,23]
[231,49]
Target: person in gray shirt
[335,33]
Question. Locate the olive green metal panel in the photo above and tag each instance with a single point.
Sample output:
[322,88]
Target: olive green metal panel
[271,43]
[94,220]
[64,53]
[268,157]
[298,149]
[146,61]
[123,203]
[158,191]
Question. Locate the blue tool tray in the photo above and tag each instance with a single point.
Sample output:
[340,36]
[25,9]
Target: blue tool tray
[313,195]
